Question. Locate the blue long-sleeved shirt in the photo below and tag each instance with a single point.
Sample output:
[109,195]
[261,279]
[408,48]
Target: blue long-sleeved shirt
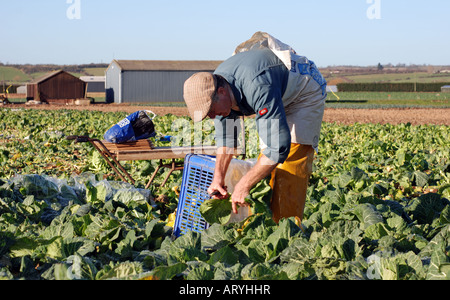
[258,79]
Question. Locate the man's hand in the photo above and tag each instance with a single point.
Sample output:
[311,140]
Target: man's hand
[238,197]
[263,167]
[217,191]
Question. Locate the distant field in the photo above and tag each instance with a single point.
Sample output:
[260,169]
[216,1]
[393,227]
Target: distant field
[395,96]
[12,75]
[419,77]
[95,71]
[382,99]
[413,77]
[344,100]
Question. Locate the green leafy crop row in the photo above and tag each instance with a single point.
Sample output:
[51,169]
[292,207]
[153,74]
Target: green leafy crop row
[377,208]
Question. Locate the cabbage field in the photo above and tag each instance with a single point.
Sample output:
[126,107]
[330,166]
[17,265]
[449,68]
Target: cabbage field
[377,208]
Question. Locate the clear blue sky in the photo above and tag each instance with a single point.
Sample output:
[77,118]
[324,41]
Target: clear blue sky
[330,32]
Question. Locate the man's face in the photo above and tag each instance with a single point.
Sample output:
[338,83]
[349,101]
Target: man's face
[221,107]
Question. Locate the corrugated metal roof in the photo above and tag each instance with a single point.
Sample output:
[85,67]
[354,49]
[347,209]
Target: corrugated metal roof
[168,65]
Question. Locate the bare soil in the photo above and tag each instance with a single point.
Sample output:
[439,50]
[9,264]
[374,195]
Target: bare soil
[415,116]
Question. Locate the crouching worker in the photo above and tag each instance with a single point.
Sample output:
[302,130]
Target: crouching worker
[286,93]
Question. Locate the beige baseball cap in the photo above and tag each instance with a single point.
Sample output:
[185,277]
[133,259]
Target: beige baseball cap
[199,90]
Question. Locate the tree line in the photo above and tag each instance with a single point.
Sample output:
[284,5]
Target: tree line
[30,69]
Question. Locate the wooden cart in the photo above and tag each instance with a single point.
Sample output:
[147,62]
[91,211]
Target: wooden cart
[144,150]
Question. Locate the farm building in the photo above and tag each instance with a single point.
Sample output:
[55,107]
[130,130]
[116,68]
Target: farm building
[56,87]
[332,88]
[445,89]
[151,80]
[21,89]
[95,84]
